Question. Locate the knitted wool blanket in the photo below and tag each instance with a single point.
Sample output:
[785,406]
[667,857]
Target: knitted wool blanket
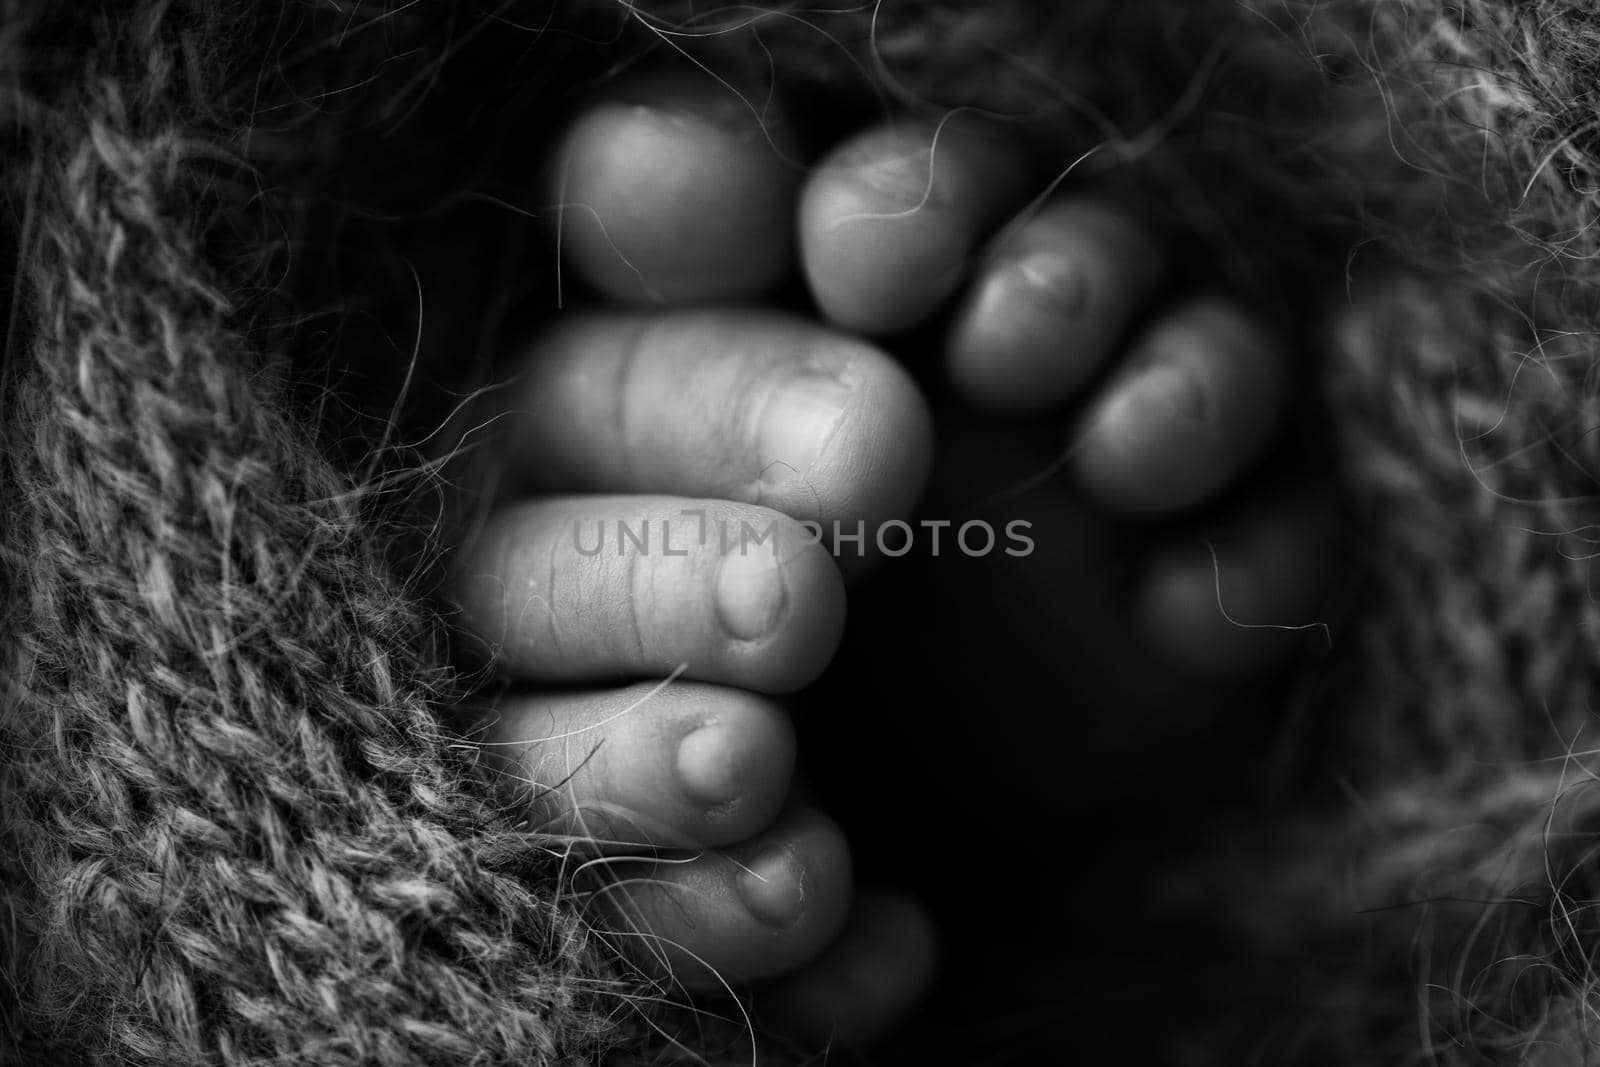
[232,828]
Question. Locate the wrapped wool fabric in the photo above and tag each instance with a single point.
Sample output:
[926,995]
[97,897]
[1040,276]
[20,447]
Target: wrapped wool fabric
[232,830]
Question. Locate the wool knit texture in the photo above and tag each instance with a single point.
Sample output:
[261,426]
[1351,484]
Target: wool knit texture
[233,831]
[232,828]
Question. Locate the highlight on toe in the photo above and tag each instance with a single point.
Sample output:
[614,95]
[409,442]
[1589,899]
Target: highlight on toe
[677,189]
[591,589]
[733,403]
[890,219]
[1199,398]
[1053,299]
[667,765]
[717,920]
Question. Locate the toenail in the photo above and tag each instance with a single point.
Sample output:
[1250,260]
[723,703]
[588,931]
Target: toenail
[799,423]
[706,766]
[902,182]
[773,887]
[1053,281]
[750,591]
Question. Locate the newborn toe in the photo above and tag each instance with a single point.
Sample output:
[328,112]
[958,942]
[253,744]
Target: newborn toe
[890,219]
[1203,392]
[677,190]
[678,766]
[1241,594]
[1052,301]
[718,920]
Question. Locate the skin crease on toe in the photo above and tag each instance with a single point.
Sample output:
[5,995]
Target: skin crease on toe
[680,766]
[678,190]
[737,404]
[590,589]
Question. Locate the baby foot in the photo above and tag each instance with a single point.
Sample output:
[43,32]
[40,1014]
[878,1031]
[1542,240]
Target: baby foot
[1054,710]
[664,461]
[1059,303]
[732,411]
